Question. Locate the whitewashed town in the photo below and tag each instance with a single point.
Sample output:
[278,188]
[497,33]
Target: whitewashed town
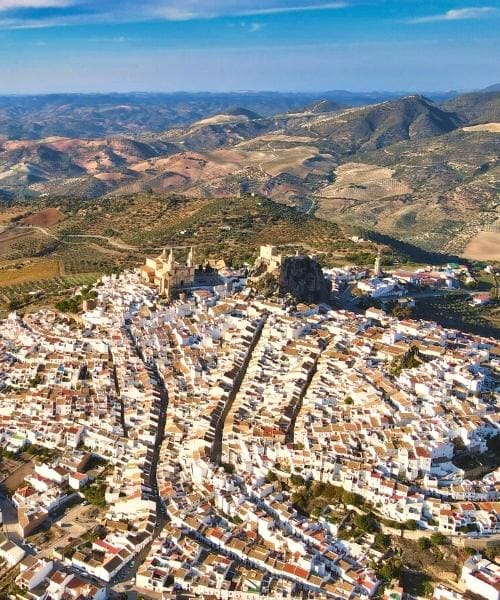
[189,436]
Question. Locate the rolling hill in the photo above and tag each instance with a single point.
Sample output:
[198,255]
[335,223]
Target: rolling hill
[407,167]
[98,115]
[479,107]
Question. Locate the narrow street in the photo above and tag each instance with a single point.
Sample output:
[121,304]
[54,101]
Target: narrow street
[216,450]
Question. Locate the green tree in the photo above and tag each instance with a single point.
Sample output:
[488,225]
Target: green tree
[427,588]
[297,480]
[352,499]
[390,570]
[271,476]
[366,523]
[382,541]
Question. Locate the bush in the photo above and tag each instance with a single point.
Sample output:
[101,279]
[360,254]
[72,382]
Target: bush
[95,494]
[271,476]
[366,523]
[424,543]
[297,480]
[352,499]
[438,539]
[382,541]
[390,570]
[411,524]
[427,588]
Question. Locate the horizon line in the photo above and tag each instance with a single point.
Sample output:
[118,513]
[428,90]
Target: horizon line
[249,92]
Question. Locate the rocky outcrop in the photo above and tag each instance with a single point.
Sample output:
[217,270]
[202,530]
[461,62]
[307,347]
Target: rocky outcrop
[302,277]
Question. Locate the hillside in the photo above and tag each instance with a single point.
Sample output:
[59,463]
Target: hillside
[479,107]
[369,127]
[120,229]
[406,167]
[437,193]
[98,115]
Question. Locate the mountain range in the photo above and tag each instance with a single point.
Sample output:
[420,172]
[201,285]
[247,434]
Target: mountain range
[419,170]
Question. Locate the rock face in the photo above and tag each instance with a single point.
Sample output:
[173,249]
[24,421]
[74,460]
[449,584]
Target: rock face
[302,277]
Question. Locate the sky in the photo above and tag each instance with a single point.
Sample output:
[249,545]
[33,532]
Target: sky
[231,45]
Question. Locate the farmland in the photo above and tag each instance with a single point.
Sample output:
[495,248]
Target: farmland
[484,246]
[16,273]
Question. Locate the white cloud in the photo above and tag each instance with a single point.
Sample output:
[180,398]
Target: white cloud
[254,27]
[122,11]
[16,4]
[457,14]
[299,8]
[196,9]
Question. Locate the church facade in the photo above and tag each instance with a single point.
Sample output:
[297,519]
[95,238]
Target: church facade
[169,275]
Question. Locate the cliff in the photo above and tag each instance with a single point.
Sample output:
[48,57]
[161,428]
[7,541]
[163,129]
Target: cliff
[302,277]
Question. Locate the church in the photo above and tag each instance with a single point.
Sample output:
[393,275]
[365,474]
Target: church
[170,276]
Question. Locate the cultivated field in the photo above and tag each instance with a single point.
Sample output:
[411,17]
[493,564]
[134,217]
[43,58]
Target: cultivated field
[44,218]
[26,271]
[490,127]
[364,182]
[285,160]
[484,246]
[7,214]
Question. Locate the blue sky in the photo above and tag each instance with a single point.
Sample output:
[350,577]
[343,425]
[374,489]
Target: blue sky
[225,45]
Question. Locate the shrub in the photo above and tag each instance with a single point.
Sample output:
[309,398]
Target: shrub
[424,543]
[382,541]
[297,480]
[438,539]
[366,523]
[271,476]
[390,570]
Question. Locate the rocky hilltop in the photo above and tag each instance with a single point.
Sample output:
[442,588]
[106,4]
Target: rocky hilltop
[303,278]
[298,276]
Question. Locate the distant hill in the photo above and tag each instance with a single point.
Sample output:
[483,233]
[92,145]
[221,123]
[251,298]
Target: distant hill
[434,192]
[492,88]
[323,106]
[478,107]
[405,167]
[378,125]
[99,115]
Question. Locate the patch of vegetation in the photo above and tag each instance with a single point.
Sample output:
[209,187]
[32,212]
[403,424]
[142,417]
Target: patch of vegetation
[42,454]
[318,495]
[455,311]
[95,494]
[408,360]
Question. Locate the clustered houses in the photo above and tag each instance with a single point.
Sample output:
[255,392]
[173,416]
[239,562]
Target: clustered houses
[41,579]
[276,376]
[481,577]
[397,281]
[167,392]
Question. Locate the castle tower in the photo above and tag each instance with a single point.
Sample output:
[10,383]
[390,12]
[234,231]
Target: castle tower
[190,260]
[377,269]
[170,261]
